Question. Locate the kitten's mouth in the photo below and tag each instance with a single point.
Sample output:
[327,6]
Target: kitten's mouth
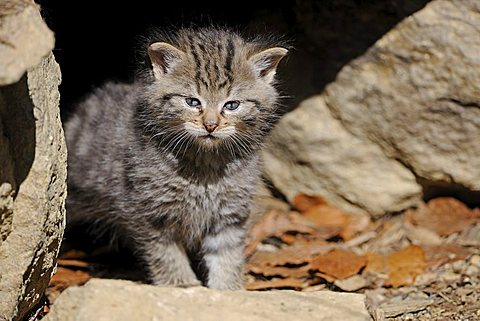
[209,140]
[209,137]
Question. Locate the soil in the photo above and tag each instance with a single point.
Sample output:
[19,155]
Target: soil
[421,264]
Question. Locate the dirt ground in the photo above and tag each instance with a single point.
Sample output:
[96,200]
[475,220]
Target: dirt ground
[421,264]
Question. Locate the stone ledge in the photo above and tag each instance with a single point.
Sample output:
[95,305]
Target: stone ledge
[102,299]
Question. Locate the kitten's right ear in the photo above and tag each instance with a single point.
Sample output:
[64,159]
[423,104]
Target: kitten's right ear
[164,57]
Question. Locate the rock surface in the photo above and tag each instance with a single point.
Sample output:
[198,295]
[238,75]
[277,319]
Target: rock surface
[313,153]
[124,300]
[24,39]
[32,163]
[399,121]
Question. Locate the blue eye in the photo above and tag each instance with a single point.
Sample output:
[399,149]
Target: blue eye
[193,102]
[231,105]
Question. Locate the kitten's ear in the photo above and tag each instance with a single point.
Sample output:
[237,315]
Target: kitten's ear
[265,63]
[163,57]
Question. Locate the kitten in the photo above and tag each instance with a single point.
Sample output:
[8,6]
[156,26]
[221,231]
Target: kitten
[172,160]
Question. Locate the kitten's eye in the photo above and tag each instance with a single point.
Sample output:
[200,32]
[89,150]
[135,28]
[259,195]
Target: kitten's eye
[193,102]
[231,105]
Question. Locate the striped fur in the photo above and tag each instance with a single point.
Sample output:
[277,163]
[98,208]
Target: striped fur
[142,161]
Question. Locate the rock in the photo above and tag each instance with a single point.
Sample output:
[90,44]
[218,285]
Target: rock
[24,39]
[311,152]
[32,161]
[102,299]
[416,93]
[401,120]
[475,260]
[352,283]
[422,235]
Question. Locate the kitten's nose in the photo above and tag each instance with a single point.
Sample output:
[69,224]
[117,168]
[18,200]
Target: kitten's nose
[210,125]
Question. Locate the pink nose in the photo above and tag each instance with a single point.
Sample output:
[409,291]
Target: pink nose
[210,125]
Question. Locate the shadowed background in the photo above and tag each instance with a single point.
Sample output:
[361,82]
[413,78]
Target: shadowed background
[97,42]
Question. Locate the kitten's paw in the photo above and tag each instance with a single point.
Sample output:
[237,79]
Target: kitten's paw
[177,282]
[188,284]
[236,284]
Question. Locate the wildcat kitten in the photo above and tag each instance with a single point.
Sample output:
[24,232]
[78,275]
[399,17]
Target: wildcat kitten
[172,160]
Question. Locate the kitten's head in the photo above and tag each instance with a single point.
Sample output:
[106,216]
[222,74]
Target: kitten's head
[212,89]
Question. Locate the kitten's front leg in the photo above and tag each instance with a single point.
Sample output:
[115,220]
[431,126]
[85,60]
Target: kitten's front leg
[168,264]
[224,258]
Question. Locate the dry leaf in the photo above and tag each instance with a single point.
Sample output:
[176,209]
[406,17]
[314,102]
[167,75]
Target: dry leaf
[343,224]
[320,235]
[65,278]
[404,265]
[376,264]
[356,224]
[338,263]
[303,202]
[74,255]
[438,255]
[278,271]
[299,254]
[325,277]
[276,223]
[325,215]
[287,283]
[443,215]
[72,263]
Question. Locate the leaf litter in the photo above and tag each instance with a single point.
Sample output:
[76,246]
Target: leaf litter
[416,264]
[422,263]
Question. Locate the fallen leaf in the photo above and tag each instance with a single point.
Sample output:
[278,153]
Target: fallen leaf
[278,271]
[303,202]
[323,276]
[291,238]
[296,255]
[443,215]
[74,255]
[63,279]
[276,223]
[287,283]
[438,255]
[72,263]
[376,263]
[325,215]
[356,224]
[345,225]
[338,263]
[404,265]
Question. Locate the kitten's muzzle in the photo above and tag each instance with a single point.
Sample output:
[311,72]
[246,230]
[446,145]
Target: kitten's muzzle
[210,125]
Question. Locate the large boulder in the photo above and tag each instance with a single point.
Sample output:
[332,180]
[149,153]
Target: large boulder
[32,159]
[124,300]
[400,121]
[24,39]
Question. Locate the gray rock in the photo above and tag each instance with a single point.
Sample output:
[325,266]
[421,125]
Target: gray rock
[24,39]
[416,93]
[32,166]
[124,300]
[311,152]
[402,119]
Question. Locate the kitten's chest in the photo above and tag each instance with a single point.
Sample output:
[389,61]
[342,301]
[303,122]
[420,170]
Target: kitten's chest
[199,208]
[212,199]
[193,200]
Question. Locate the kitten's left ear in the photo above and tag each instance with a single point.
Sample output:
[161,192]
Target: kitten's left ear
[265,63]
[164,57]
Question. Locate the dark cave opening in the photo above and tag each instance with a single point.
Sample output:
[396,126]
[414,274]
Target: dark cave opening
[97,42]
